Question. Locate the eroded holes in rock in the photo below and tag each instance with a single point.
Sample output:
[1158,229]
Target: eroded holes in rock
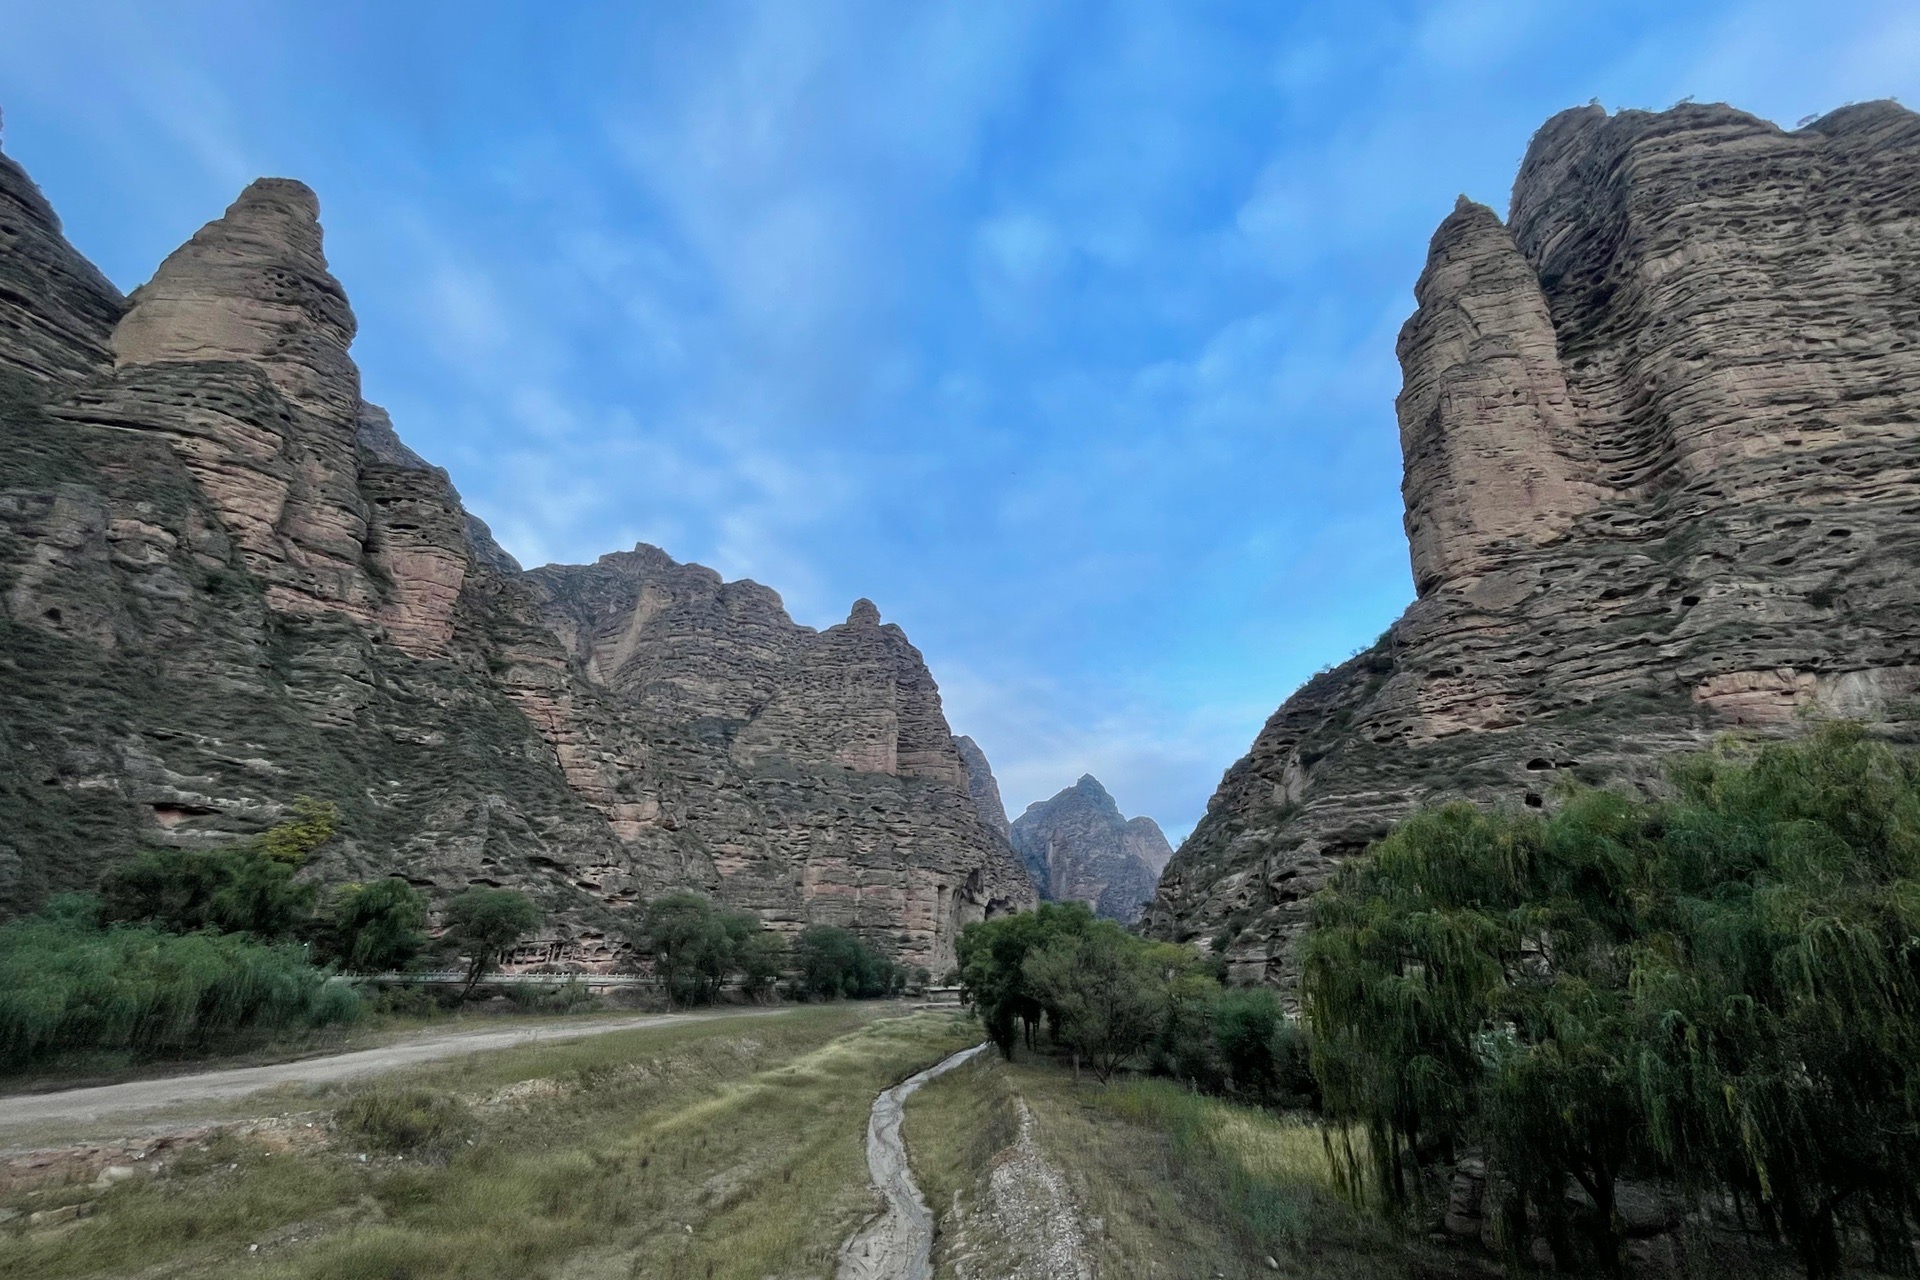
[1538,763]
[172,815]
[51,615]
[1687,602]
[1534,801]
[1839,533]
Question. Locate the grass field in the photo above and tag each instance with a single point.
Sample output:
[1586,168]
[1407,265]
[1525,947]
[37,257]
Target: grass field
[1169,1184]
[733,1148]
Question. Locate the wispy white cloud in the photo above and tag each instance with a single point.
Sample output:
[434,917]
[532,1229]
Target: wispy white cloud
[1063,331]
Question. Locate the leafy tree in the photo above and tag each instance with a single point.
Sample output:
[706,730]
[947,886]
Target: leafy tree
[371,928]
[244,888]
[1103,990]
[1780,987]
[483,923]
[1722,986]
[832,963]
[692,945]
[301,835]
[992,955]
[762,958]
[1464,984]
[1250,1033]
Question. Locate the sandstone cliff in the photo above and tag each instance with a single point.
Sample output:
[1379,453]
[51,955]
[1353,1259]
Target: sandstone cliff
[982,785]
[227,582]
[1662,434]
[1078,848]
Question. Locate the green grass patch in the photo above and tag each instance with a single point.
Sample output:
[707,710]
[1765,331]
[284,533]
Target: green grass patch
[727,1147]
[1170,1183]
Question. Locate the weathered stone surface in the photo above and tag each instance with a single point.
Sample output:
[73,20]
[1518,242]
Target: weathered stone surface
[982,786]
[1078,848]
[227,582]
[56,310]
[1662,435]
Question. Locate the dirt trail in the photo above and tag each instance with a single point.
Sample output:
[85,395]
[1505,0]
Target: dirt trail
[1032,1212]
[135,1096]
[898,1245]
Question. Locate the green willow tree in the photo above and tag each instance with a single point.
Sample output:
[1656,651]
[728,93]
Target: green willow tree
[483,924]
[1723,987]
[992,955]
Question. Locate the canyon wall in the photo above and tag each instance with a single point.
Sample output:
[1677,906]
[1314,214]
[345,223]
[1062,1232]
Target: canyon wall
[227,582]
[1661,431]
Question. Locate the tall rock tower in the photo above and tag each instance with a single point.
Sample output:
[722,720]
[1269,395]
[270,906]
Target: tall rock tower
[1662,444]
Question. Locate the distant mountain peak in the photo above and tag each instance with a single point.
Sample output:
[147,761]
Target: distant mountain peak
[1079,847]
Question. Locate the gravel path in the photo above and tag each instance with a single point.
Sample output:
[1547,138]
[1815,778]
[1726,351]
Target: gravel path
[1034,1214]
[88,1105]
[898,1245]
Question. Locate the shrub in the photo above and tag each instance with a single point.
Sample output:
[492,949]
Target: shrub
[565,997]
[244,888]
[373,928]
[68,985]
[406,1121]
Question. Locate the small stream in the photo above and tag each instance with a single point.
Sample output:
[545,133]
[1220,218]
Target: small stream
[898,1245]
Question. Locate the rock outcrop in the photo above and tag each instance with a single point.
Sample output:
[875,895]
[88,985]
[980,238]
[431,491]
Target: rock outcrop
[982,786]
[1662,443]
[227,582]
[1078,848]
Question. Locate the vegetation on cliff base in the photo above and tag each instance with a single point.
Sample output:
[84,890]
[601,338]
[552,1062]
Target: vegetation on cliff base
[69,983]
[1722,988]
[831,964]
[697,947]
[1114,1000]
[483,924]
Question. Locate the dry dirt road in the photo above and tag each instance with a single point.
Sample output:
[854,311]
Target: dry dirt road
[86,1106]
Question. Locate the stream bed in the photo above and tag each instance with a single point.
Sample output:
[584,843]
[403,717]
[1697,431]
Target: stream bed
[898,1245]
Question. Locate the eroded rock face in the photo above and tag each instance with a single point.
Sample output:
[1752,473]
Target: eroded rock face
[981,785]
[1079,848]
[1661,433]
[227,582]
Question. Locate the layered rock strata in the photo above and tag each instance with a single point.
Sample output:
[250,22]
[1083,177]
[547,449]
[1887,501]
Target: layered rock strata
[227,582]
[1662,442]
[1078,847]
[982,785]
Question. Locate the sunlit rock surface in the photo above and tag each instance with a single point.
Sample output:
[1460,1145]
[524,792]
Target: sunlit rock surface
[227,582]
[1661,432]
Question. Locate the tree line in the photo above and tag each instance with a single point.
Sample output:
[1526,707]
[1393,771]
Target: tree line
[1108,999]
[1717,990]
[181,949]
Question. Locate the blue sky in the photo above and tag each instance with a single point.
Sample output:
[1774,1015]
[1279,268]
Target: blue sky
[1063,331]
